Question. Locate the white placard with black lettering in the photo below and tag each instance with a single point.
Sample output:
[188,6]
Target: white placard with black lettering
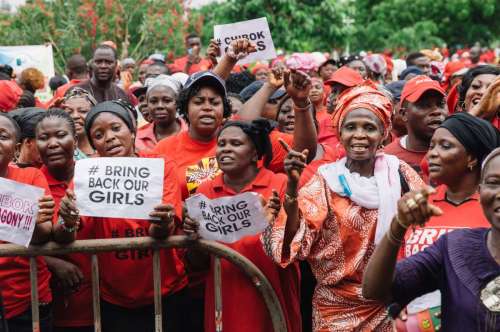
[18,211]
[227,219]
[257,31]
[118,187]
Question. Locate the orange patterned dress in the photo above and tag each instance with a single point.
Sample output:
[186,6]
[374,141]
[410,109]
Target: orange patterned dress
[336,237]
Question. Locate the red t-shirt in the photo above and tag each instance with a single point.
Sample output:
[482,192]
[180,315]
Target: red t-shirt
[79,303]
[244,308]
[15,271]
[127,276]
[196,160]
[412,158]
[180,63]
[466,215]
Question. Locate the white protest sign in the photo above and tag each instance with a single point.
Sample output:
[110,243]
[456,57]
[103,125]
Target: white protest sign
[257,31]
[18,210]
[227,219]
[35,56]
[118,187]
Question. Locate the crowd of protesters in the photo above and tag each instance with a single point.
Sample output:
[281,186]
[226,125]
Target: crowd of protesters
[380,179]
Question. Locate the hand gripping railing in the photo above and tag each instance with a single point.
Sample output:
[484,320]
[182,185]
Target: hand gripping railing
[104,245]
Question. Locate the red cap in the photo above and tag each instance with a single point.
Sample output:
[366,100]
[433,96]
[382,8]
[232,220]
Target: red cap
[345,76]
[417,86]
[10,93]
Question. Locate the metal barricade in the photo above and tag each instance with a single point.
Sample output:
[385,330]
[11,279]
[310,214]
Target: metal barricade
[105,245]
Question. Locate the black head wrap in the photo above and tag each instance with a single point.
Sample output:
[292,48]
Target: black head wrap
[116,107]
[27,119]
[258,132]
[478,136]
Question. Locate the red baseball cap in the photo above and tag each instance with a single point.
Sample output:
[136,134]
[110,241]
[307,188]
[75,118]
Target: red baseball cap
[10,93]
[345,76]
[417,86]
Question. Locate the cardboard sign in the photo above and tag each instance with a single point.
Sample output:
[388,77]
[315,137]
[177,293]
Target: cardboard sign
[18,211]
[26,56]
[119,187]
[257,31]
[227,219]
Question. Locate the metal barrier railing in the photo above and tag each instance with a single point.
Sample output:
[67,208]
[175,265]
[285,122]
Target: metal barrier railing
[104,245]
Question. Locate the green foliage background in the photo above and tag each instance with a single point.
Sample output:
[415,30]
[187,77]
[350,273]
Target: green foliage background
[140,27]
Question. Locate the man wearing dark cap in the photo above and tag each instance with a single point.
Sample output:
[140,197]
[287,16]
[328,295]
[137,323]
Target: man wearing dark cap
[101,83]
[423,109]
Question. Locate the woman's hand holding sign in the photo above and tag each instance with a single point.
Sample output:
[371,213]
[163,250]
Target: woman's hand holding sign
[163,223]
[43,228]
[190,226]
[69,219]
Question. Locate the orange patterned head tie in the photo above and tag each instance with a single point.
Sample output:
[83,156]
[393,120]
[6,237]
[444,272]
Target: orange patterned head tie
[364,96]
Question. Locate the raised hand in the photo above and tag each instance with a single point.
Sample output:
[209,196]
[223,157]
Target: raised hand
[297,85]
[414,208]
[276,77]
[489,105]
[213,51]
[240,48]
[295,162]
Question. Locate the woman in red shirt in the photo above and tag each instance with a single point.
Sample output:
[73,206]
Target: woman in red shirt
[15,271]
[56,139]
[203,104]
[457,150]
[127,295]
[240,146]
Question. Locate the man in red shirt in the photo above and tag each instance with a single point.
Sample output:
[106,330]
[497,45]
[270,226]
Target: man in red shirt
[423,109]
[192,62]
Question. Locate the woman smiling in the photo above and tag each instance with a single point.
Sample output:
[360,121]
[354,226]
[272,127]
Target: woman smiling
[337,218]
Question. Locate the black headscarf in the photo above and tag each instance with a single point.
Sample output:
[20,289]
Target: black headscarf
[478,136]
[116,107]
[27,119]
[258,132]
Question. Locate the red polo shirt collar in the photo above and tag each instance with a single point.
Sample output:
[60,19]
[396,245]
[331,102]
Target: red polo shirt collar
[262,180]
[440,195]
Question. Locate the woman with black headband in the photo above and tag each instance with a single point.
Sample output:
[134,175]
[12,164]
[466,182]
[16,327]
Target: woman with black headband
[457,151]
[127,295]
[27,118]
[464,264]
[242,149]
